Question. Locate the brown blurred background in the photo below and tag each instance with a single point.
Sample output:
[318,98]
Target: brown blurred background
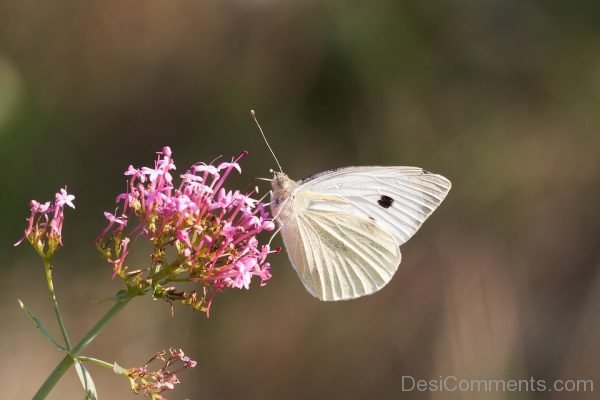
[502,97]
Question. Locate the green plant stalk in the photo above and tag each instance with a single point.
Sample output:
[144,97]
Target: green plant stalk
[96,361]
[61,324]
[68,360]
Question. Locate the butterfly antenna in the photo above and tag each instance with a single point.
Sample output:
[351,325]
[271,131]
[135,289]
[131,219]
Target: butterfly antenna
[265,138]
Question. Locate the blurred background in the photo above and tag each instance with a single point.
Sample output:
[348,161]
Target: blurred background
[502,97]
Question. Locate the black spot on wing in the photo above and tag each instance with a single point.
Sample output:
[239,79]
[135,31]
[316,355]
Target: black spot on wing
[385,201]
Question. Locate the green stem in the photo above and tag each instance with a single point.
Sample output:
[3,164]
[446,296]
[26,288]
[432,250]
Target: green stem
[61,324]
[67,361]
[96,361]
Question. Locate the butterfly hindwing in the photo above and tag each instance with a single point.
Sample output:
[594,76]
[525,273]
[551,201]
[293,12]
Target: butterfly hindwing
[338,254]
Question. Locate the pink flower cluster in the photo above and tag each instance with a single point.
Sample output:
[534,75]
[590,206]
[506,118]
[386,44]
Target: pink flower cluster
[44,227]
[212,230]
[152,383]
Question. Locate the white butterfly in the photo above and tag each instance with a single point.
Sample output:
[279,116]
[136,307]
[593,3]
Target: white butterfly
[343,228]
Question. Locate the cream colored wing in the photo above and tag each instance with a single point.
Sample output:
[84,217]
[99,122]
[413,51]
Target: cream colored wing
[399,199]
[338,255]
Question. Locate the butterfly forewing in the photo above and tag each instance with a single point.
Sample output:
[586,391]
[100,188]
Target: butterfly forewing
[398,199]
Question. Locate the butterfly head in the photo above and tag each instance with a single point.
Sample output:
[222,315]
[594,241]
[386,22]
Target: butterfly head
[281,190]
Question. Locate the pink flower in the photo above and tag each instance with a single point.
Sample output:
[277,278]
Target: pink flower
[152,173]
[167,151]
[63,198]
[228,231]
[184,237]
[114,219]
[209,169]
[133,172]
[227,165]
[38,207]
[264,273]
[211,229]
[152,383]
[44,225]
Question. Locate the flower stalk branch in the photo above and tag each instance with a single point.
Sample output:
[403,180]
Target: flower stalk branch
[69,359]
[50,284]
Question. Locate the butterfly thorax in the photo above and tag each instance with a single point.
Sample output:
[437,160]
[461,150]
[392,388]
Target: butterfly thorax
[281,195]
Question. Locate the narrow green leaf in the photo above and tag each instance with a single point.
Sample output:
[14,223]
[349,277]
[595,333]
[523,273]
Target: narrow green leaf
[86,381]
[41,327]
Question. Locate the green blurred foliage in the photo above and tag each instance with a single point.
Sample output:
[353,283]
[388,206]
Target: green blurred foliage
[502,97]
